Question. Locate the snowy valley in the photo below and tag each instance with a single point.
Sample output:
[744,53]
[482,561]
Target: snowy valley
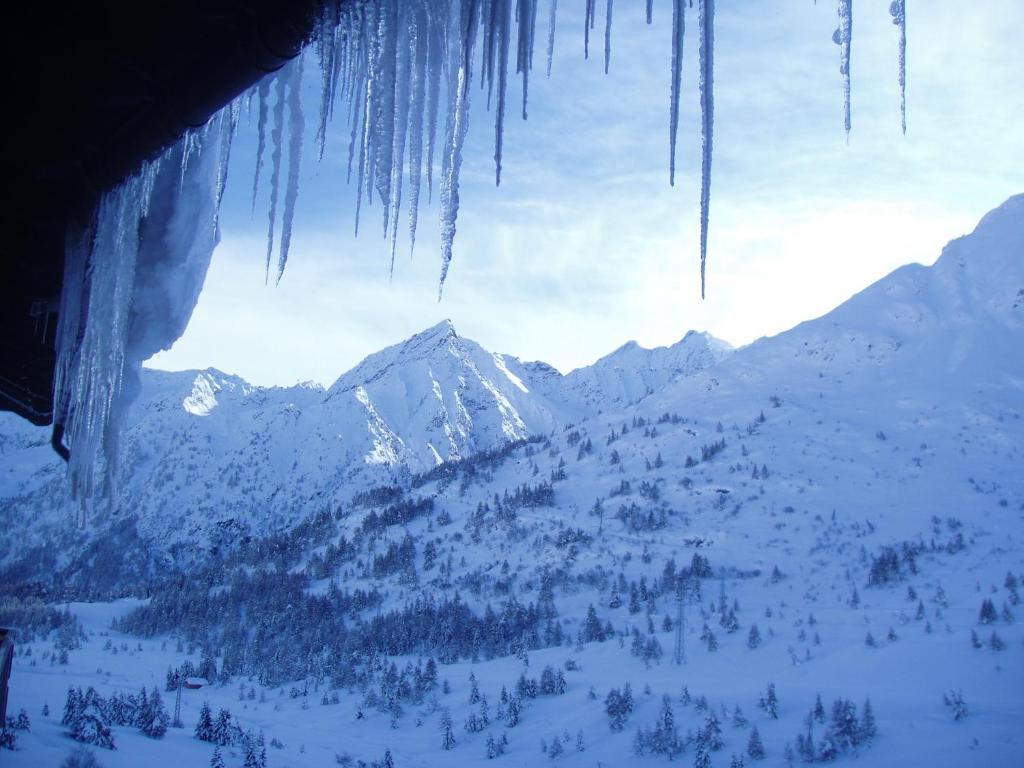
[452,556]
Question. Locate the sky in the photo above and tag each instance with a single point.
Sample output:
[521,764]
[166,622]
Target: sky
[585,245]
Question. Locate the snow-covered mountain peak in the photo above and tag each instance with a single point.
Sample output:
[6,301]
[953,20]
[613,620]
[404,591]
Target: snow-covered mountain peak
[207,385]
[983,272]
[435,344]
[632,372]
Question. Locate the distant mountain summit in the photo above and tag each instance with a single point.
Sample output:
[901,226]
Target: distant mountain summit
[632,372]
[438,396]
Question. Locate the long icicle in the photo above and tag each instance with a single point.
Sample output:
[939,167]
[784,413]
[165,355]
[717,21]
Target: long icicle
[416,108]
[275,159]
[403,69]
[457,125]
[706,11]
[503,20]
[552,16]
[588,24]
[678,30]
[607,35]
[527,18]
[261,140]
[435,64]
[296,127]
[843,37]
[898,9]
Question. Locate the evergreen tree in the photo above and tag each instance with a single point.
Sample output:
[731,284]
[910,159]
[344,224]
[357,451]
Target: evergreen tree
[843,731]
[89,728]
[712,642]
[154,718]
[868,728]
[819,710]
[712,733]
[827,750]
[217,761]
[771,703]
[252,759]
[512,714]
[592,629]
[555,750]
[987,614]
[223,729]
[787,754]
[754,638]
[474,690]
[448,740]
[72,706]
[755,748]
[204,727]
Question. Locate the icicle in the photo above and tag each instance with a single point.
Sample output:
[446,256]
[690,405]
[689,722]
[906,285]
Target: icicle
[650,11]
[551,33]
[276,132]
[490,15]
[504,22]
[843,37]
[435,64]
[706,12]
[229,127]
[327,53]
[131,279]
[357,104]
[527,18]
[296,126]
[261,142]
[678,29]
[457,125]
[367,143]
[898,10]
[94,372]
[588,24]
[418,43]
[403,54]
[607,35]
[383,158]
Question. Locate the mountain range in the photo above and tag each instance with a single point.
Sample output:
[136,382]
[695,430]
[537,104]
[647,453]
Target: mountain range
[205,446]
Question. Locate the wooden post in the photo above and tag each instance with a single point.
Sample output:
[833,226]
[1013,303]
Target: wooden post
[6,660]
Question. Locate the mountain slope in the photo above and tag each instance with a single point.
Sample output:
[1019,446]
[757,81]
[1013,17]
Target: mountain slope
[840,501]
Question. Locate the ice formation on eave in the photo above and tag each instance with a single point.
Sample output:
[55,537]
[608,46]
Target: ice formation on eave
[389,67]
[131,280]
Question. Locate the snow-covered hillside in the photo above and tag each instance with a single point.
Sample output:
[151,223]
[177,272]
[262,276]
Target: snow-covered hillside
[204,449]
[840,508]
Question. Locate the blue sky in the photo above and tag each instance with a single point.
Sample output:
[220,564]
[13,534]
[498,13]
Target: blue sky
[585,245]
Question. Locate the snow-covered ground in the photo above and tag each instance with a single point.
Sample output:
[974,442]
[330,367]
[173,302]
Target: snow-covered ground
[893,421]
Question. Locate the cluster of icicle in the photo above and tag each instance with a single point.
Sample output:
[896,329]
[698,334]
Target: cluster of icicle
[131,279]
[394,68]
[397,66]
